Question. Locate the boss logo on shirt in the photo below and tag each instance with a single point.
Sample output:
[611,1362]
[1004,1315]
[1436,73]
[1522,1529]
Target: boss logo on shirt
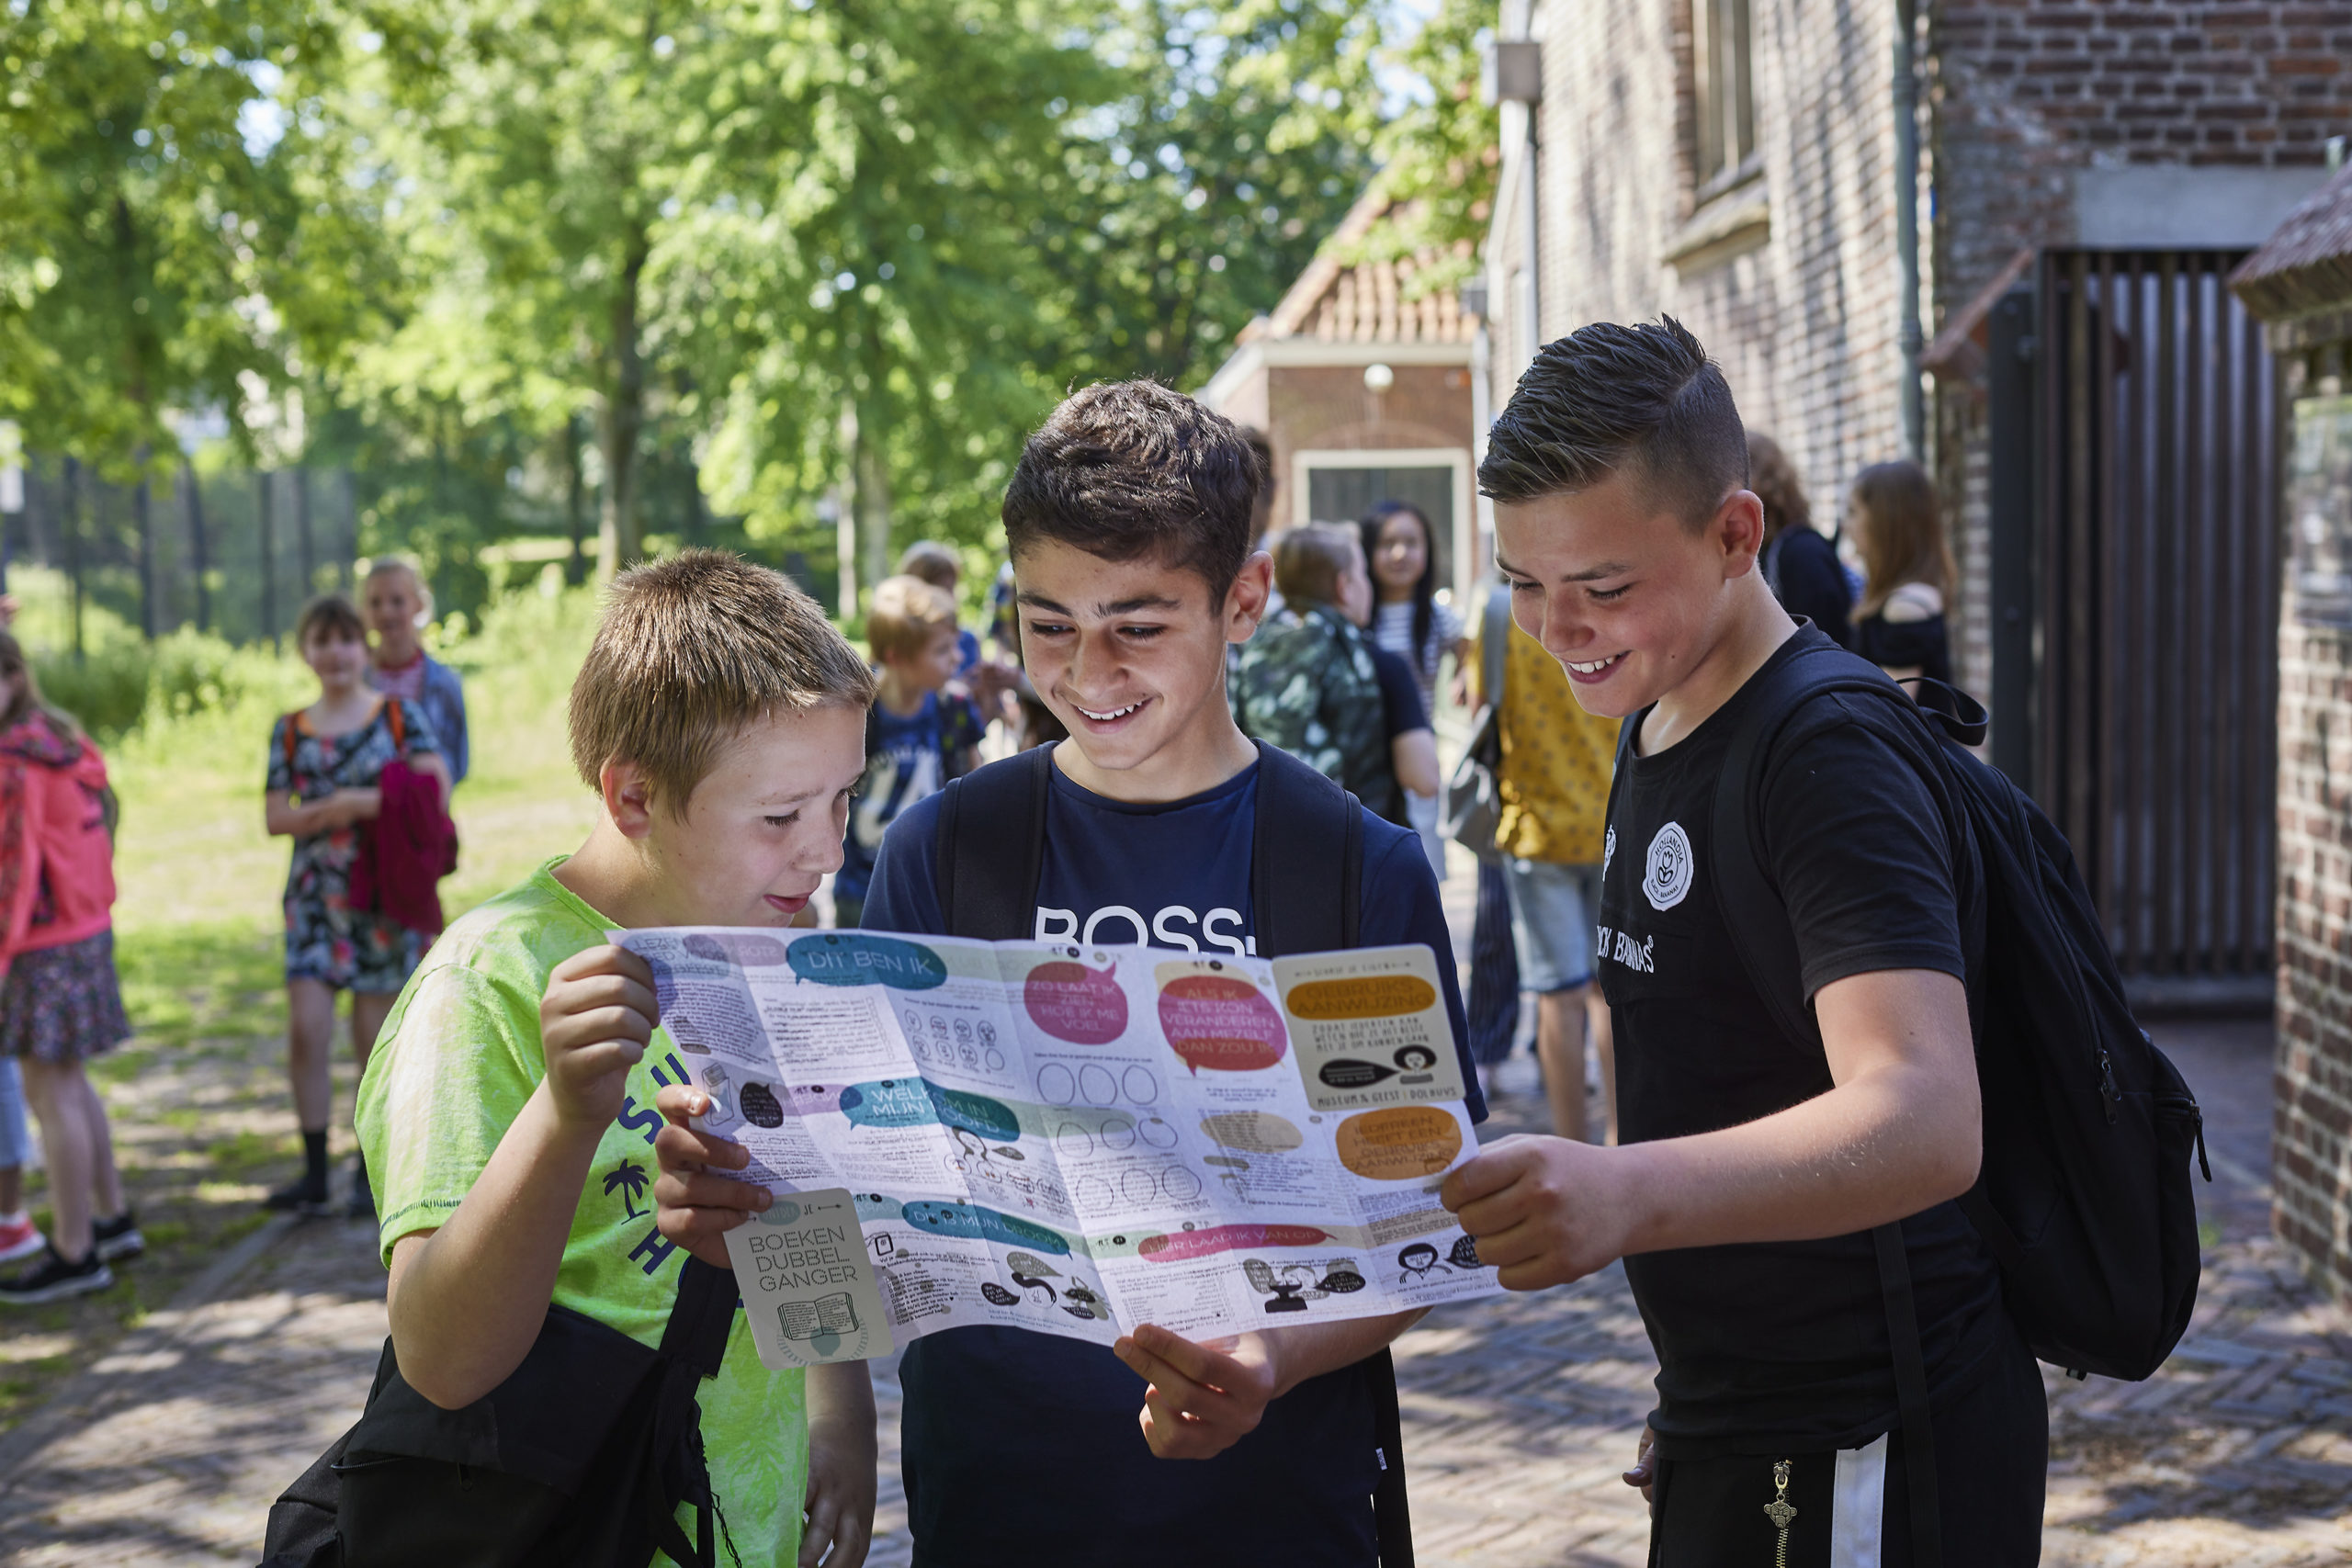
[1670,868]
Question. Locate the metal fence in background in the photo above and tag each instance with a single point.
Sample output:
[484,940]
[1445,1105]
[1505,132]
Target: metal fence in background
[233,553]
[2156,690]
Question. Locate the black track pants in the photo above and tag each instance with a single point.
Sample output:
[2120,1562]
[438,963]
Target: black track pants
[1853,1508]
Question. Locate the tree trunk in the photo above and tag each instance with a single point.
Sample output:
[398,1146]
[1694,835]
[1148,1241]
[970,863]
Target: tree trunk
[142,513]
[575,570]
[619,541]
[304,548]
[873,502]
[196,550]
[265,516]
[71,519]
[344,567]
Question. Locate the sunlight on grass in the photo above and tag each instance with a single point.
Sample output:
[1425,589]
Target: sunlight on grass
[200,879]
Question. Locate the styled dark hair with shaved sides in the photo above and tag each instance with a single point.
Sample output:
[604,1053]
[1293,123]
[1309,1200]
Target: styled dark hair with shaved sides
[693,649]
[1646,400]
[1124,469]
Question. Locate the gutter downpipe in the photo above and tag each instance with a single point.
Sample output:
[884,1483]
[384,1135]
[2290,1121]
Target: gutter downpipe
[1906,230]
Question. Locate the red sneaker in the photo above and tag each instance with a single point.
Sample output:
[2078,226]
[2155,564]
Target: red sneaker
[19,1238]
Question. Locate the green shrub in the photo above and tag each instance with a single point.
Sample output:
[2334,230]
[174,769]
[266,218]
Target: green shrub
[107,690]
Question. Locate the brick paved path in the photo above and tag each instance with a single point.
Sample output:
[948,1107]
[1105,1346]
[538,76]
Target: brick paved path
[1519,1413]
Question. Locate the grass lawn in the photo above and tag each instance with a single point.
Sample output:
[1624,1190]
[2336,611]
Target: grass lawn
[202,1123]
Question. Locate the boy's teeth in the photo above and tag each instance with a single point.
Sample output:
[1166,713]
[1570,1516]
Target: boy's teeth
[1114,713]
[1595,667]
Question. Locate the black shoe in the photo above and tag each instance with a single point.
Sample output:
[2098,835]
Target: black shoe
[361,1205]
[53,1280]
[306,1197]
[118,1239]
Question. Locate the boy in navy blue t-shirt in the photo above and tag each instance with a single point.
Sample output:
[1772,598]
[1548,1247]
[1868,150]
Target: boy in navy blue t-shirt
[1128,525]
[922,732]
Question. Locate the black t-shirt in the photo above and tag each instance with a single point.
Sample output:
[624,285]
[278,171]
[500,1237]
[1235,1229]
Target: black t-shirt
[1803,568]
[1400,694]
[1922,645]
[1782,1345]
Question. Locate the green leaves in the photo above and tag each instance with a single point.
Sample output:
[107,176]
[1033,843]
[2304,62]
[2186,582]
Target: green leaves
[791,247]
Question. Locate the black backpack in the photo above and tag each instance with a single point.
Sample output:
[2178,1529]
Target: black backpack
[2084,1197]
[580,1459]
[1305,885]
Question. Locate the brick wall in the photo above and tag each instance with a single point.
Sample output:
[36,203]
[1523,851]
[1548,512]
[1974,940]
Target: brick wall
[1803,322]
[2311,1154]
[2026,96]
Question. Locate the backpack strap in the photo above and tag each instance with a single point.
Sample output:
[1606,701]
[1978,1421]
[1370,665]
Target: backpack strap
[991,848]
[1494,639]
[293,737]
[1305,826]
[1759,928]
[396,716]
[694,1343]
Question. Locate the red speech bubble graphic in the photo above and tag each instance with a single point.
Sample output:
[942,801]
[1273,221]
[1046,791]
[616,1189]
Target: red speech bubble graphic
[1221,1022]
[1187,1245]
[1072,1002]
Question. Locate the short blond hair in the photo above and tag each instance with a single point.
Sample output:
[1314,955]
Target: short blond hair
[690,651]
[933,562]
[906,614]
[1311,559]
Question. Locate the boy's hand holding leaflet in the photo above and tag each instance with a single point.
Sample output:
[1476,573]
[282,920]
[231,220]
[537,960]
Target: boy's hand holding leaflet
[595,1022]
[1145,1148]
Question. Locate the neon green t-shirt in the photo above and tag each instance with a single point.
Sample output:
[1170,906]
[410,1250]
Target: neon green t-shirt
[458,1058]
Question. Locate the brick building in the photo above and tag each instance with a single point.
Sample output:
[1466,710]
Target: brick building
[2300,284]
[2094,406]
[1363,384]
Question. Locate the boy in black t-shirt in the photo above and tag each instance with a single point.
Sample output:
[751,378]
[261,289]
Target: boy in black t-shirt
[1127,521]
[1754,1165]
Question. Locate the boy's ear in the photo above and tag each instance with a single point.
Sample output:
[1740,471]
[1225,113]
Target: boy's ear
[1738,531]
[1245,601]
[629,798]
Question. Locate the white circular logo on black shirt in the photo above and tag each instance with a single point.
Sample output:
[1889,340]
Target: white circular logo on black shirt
[1666,879]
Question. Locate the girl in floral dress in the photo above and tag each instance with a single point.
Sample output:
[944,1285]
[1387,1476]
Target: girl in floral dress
[324,763]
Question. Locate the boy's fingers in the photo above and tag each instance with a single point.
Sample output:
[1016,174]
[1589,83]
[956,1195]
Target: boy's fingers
[1195,1362]
[680,1103]
[606,1056]
[705,1193]
[606,990]
[1169,1385]
[1492,1171]
[597,1025]
[681,1148]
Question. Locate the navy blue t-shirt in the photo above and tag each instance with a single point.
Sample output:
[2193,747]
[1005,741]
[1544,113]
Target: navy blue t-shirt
[1022,1448]
[911,755]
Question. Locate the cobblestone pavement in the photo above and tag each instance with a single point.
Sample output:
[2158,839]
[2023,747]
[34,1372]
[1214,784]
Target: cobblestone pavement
[1520,1413]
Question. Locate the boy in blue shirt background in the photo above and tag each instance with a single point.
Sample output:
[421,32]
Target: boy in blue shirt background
[921,732]
[1128,523]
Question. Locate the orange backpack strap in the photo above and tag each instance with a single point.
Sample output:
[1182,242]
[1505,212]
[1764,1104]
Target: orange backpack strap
[293,738]
[396,716]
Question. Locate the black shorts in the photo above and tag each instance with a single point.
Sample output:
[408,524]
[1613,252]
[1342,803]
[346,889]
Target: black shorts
[1992,1453]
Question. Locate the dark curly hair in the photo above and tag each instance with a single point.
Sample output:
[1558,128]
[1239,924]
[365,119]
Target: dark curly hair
[1129,468]
[1644,399]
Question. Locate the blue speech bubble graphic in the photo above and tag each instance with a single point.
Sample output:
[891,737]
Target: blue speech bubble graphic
[983,1225]
[914,1102]
[856,958]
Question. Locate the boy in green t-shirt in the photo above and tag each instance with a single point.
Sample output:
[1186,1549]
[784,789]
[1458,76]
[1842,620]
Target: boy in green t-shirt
[507,1113]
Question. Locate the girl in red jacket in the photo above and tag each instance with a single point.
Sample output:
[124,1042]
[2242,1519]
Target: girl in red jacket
[61,1003]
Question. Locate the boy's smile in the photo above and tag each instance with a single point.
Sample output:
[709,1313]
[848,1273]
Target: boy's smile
[1130,656]
[1630,601]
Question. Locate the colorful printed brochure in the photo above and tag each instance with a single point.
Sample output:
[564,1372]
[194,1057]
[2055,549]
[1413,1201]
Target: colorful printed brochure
[1072,1140]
